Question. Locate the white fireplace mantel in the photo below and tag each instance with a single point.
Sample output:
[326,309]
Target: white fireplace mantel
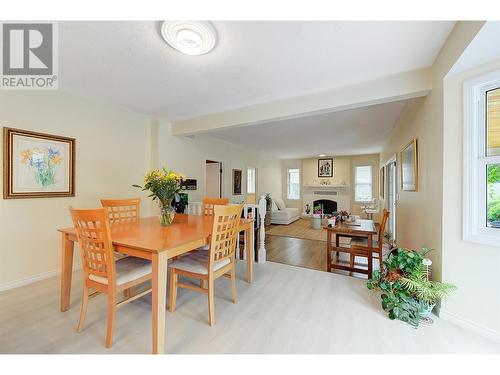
[338,193]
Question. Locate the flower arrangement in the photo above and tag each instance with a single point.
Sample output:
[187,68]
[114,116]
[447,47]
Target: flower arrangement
[164,186]
[43,162]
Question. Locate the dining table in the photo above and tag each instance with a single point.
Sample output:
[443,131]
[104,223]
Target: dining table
[359,228]
[148,239]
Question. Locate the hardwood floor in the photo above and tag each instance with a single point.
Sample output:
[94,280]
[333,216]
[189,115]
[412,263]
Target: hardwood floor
[307,253]
[286,310]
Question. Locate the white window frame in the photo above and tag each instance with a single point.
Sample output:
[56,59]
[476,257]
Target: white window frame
[251,182]
[475,161]
[288,184]
[362,183]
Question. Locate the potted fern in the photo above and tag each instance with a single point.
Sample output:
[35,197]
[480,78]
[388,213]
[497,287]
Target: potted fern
[408,294]
[426,291]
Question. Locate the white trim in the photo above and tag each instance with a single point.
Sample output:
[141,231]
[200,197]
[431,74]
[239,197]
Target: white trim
[470,325]
[474,161]
[32,279]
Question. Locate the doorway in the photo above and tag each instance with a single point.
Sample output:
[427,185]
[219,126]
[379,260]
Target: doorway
[213,179]
[392,197]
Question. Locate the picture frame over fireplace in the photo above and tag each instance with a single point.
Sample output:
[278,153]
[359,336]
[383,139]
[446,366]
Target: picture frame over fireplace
[325,168]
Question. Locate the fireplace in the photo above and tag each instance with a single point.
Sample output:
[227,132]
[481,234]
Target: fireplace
[329,206]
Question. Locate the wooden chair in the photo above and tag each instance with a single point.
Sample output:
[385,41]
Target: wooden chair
[362,244]
[100,270]
[207,205]
[251,198]
[122,210]
[212,264]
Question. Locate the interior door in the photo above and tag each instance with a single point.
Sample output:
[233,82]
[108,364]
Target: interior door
[213,179]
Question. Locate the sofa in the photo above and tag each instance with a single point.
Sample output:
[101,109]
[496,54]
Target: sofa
[280,214]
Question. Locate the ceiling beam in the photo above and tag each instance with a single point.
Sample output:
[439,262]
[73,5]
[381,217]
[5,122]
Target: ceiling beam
[400,86]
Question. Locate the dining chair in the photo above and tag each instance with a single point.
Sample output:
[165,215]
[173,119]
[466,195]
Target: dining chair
[361,244]
[251,198]
[100,270]
[207,266]
[207,205]
[122,210]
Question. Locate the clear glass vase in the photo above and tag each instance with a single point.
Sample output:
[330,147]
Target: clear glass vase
[167,214]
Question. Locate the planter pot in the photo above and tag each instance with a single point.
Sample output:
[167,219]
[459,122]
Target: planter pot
[316,222]
[427,311]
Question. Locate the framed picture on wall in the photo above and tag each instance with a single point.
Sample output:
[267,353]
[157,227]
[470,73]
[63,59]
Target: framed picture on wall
[325,167]
[37,165]
[409,166]
[382,182]
[237,173]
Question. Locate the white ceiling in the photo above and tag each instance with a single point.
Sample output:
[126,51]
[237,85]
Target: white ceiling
[128,64]
[351,132]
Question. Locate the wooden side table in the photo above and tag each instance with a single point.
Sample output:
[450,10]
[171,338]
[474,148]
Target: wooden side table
[360,228]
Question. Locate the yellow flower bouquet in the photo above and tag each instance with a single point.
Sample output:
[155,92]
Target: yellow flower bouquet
[164,186]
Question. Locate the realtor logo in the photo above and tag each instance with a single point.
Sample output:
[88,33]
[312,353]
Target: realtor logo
[28,58]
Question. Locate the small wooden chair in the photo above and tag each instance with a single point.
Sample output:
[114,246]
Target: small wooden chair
[122,210]
[100,270]
[212,264]
[207,205]
[361,244]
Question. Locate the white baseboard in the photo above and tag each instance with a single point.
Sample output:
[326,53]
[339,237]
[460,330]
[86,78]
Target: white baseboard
[470,325]
[32,279]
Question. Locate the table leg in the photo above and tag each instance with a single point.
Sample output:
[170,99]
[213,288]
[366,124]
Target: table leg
[67,247]
[370,255]
[337,244]
[159,299]
[249,253]
[328,251]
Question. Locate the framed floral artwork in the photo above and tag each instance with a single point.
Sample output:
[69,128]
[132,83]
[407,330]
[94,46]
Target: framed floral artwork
[409,167]
[37,165]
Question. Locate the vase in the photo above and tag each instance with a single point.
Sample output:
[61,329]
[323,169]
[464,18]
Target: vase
[427,310]
[167,214]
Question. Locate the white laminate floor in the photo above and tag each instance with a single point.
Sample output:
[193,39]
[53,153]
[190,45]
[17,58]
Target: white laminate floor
[286,310]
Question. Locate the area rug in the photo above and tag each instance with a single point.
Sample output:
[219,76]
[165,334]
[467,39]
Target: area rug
[301,229]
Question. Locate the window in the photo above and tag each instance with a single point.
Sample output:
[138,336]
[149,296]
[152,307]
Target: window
[251,180]
[293,183]
[482,160]
[363,184]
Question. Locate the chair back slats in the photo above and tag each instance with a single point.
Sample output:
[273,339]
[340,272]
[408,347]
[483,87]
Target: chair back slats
[224,232]
[92,231]
[383,223]
[207,205]
[122,210]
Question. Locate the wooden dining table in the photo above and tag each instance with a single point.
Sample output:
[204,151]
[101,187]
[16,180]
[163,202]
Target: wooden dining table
[148,239]
[359,228]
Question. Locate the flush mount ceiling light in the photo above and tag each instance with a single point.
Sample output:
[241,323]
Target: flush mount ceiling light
[321,155]
[189,37]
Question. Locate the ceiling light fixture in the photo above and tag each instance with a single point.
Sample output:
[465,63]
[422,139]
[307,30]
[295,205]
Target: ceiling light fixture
[189,37]
[322,155]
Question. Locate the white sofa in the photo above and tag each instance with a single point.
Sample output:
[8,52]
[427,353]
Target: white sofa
[280,214]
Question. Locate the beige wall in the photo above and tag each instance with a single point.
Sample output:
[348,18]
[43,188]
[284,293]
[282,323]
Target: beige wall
[188,155]
[472,267]
[343,173]
[112,152]
[420,214]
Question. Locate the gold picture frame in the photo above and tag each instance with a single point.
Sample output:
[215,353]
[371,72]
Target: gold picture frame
[37,165]
[408,158]
[382,182]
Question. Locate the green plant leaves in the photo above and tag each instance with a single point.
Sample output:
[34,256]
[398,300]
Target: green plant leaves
[407,290]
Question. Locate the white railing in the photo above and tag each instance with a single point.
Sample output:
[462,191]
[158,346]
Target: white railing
[254,211]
